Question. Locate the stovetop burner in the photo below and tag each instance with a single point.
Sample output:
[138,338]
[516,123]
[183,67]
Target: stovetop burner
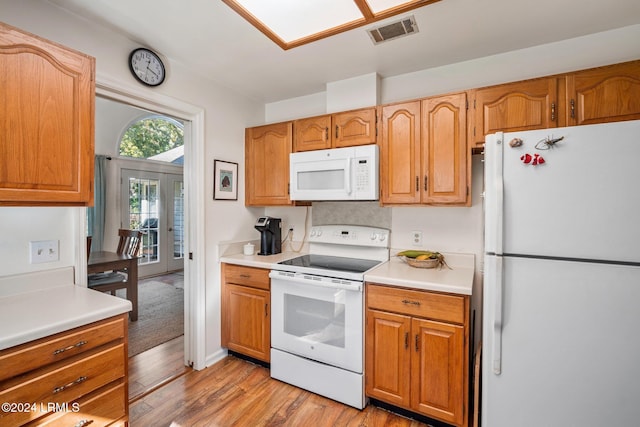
[332,263]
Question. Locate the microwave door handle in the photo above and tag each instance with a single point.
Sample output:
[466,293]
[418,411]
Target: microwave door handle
[347,176]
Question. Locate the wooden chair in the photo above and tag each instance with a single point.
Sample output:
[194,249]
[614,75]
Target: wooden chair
[111,281]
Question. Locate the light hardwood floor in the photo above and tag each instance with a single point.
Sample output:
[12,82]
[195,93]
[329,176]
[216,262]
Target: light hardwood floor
[234,392]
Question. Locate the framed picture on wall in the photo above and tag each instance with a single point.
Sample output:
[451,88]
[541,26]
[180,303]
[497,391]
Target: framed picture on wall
[225,180]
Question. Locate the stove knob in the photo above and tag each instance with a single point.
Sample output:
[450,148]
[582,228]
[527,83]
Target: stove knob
[374,236]
[383,237]
[319,233]
[313,233]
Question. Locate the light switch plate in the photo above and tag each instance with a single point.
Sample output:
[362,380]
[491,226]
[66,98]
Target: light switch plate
[44,251]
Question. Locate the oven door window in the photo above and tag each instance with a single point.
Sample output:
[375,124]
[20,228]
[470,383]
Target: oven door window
[314,320]
[319,323]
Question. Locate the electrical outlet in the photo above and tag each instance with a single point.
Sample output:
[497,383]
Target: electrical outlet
[44,251]
[416,238]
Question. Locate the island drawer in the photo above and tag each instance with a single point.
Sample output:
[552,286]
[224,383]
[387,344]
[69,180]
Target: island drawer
[35,354]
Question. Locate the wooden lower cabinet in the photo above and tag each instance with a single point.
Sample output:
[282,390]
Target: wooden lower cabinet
[417,351]
[78,377]
[246,311]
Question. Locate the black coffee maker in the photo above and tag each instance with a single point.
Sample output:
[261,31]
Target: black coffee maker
[270,235]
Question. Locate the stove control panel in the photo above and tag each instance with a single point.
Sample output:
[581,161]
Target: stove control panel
[350,235]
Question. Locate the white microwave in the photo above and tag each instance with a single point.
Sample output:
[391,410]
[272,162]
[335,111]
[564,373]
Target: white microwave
[349,173]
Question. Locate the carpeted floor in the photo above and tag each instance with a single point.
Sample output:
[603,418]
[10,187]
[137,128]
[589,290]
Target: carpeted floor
[160,315]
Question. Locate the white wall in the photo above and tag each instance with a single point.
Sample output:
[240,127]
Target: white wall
[457,229]
[226,115]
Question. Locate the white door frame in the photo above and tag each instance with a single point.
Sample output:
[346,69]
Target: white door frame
[194,180]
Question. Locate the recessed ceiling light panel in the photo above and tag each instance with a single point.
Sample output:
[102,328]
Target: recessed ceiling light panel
[292,23]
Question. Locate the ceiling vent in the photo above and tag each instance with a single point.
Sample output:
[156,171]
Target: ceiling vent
[394,30]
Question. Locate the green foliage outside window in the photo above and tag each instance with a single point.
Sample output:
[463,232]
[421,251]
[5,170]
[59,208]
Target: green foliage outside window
[151,136]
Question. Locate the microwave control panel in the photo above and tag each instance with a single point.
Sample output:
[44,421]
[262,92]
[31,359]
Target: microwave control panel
[363,173]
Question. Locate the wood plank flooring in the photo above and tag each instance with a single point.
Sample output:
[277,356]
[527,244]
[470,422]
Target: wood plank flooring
[155,367]
[234,392]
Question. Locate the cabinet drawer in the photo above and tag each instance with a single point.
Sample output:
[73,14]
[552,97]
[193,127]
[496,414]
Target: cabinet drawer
[448,308]
[61,383]
[99,409]
[247,276]
[26,357]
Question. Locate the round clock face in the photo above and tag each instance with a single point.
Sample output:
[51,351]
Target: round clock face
[147,67]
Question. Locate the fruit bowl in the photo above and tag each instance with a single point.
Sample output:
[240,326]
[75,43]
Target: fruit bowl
[422,263]
[422,259]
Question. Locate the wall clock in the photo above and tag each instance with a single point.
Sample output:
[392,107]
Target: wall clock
[146,66]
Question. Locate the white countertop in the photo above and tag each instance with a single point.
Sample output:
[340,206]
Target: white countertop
[457,280]
[260,261]
[31,315]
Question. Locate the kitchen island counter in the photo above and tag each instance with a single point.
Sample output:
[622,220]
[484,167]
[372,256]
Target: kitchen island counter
[37,313]
[458,279]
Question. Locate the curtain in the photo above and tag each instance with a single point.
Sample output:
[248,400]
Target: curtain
[96,214]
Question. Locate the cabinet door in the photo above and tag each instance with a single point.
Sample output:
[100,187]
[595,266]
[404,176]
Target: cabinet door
[387,361]
[400,153]
[354,128]
[267,150]
[246,321]
[313,133]
[526,105]
[47,129]
[437,370]
[606,94]
[444,149]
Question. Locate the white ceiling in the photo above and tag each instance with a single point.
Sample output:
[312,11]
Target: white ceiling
[211,39]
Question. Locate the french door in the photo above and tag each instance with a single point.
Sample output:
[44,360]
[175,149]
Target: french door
[153,202]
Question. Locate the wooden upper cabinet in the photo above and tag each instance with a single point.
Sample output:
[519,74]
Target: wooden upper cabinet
[526,105]
[400,168]
[267,150]
[605,94]
[423,152]
[445,168]
[356,127]
[47,99]
[346,129]
[313,133]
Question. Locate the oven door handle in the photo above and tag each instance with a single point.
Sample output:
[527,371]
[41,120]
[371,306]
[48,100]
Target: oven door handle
[323,282]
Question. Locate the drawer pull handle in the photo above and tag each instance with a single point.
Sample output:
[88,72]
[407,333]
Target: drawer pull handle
[406,301]
[72,383]
[83,423]
[406,340]
[71,347]
[245,276]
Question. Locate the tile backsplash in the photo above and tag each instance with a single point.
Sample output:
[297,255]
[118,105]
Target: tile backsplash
[351,213]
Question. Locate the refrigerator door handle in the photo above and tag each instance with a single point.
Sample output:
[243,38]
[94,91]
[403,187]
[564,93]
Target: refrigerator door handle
[499,192]
[497,318]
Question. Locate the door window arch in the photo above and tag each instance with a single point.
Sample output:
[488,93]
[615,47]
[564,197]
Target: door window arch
[154,137]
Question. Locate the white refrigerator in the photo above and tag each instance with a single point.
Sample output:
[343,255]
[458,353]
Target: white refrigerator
[561,301]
